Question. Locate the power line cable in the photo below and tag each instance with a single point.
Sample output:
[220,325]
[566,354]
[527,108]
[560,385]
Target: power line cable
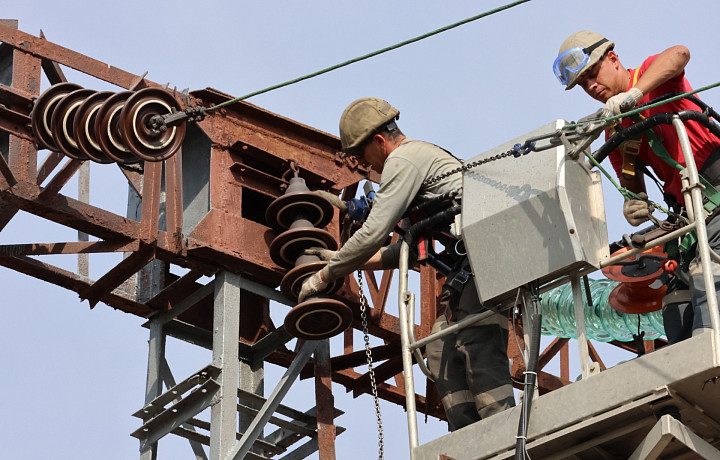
[369,55]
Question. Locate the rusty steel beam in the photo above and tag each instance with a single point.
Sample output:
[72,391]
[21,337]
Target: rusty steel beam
[118,275]
[51,161]
[317,153]
[70,212]
[52,70]
[8,179]
[150,213]
[325,402]
[73,282]
[40,48]
[350,360]
[551,350]
[14,113]
[174,201]
[41,249]
[60,179]
[383,371]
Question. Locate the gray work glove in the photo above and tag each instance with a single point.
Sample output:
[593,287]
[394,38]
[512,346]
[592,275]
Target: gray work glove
[321,253]
[623,102]
[312,285]
[638,211]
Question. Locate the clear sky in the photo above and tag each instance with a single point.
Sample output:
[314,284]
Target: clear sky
[73,376]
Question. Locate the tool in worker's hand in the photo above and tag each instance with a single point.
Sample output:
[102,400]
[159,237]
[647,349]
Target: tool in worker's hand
[358,208]
[587,129]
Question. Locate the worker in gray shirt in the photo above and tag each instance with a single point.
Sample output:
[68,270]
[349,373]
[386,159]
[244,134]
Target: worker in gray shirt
[470,367]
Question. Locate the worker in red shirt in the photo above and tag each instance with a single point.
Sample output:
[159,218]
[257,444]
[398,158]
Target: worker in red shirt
[588,59]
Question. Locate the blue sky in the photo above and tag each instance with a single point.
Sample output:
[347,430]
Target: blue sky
[73,376]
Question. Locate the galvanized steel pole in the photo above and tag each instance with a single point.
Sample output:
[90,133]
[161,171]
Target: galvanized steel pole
[703,247]
[405,348]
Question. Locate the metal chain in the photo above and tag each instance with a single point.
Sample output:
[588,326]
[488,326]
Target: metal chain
[371,371]
[468,166]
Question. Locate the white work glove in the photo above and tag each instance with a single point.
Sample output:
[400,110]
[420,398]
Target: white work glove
[638,211]
[623,102]
[312,285]
[321,253]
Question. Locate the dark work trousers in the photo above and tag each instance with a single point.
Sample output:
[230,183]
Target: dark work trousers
[471,367]
[685,311]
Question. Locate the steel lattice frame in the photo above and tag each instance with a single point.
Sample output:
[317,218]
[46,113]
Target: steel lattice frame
[250,151]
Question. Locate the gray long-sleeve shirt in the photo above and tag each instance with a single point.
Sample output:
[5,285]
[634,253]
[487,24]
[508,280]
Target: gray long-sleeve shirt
[401,183]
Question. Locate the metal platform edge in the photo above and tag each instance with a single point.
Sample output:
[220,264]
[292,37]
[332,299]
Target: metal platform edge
[688,366]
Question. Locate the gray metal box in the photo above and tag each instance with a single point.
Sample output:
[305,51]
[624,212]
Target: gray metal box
[536,217]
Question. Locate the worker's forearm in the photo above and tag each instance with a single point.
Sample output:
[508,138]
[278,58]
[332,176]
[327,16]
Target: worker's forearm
[666,65]
[374,262]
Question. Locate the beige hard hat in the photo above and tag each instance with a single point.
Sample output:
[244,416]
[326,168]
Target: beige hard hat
[361,119]
[569,65]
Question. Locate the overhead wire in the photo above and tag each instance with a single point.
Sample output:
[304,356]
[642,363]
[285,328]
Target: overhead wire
[368,55]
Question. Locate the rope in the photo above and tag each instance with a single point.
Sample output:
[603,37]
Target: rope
[369,55]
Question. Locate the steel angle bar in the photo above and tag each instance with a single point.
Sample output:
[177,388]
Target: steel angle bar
[292,426]
[60,277]
[665,431]
[196,441]
[48,165]
[261,444]
[15,123]
[238,452]
[258,400]
[61,178]
[268,344]
[189,333]
[288,436]
[267,292]
[184,305]
[117,275]
[35,46]
[308,448]
[168,420]
[194,436]
[179,288]
[156,405]
[7,175]
[39,249]
[303,451]
[170,382]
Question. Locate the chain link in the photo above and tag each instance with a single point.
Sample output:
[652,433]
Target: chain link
[371,371]
[469,166]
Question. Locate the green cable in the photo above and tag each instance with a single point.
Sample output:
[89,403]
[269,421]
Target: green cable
[627,194]
[367,56]
[645,107]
